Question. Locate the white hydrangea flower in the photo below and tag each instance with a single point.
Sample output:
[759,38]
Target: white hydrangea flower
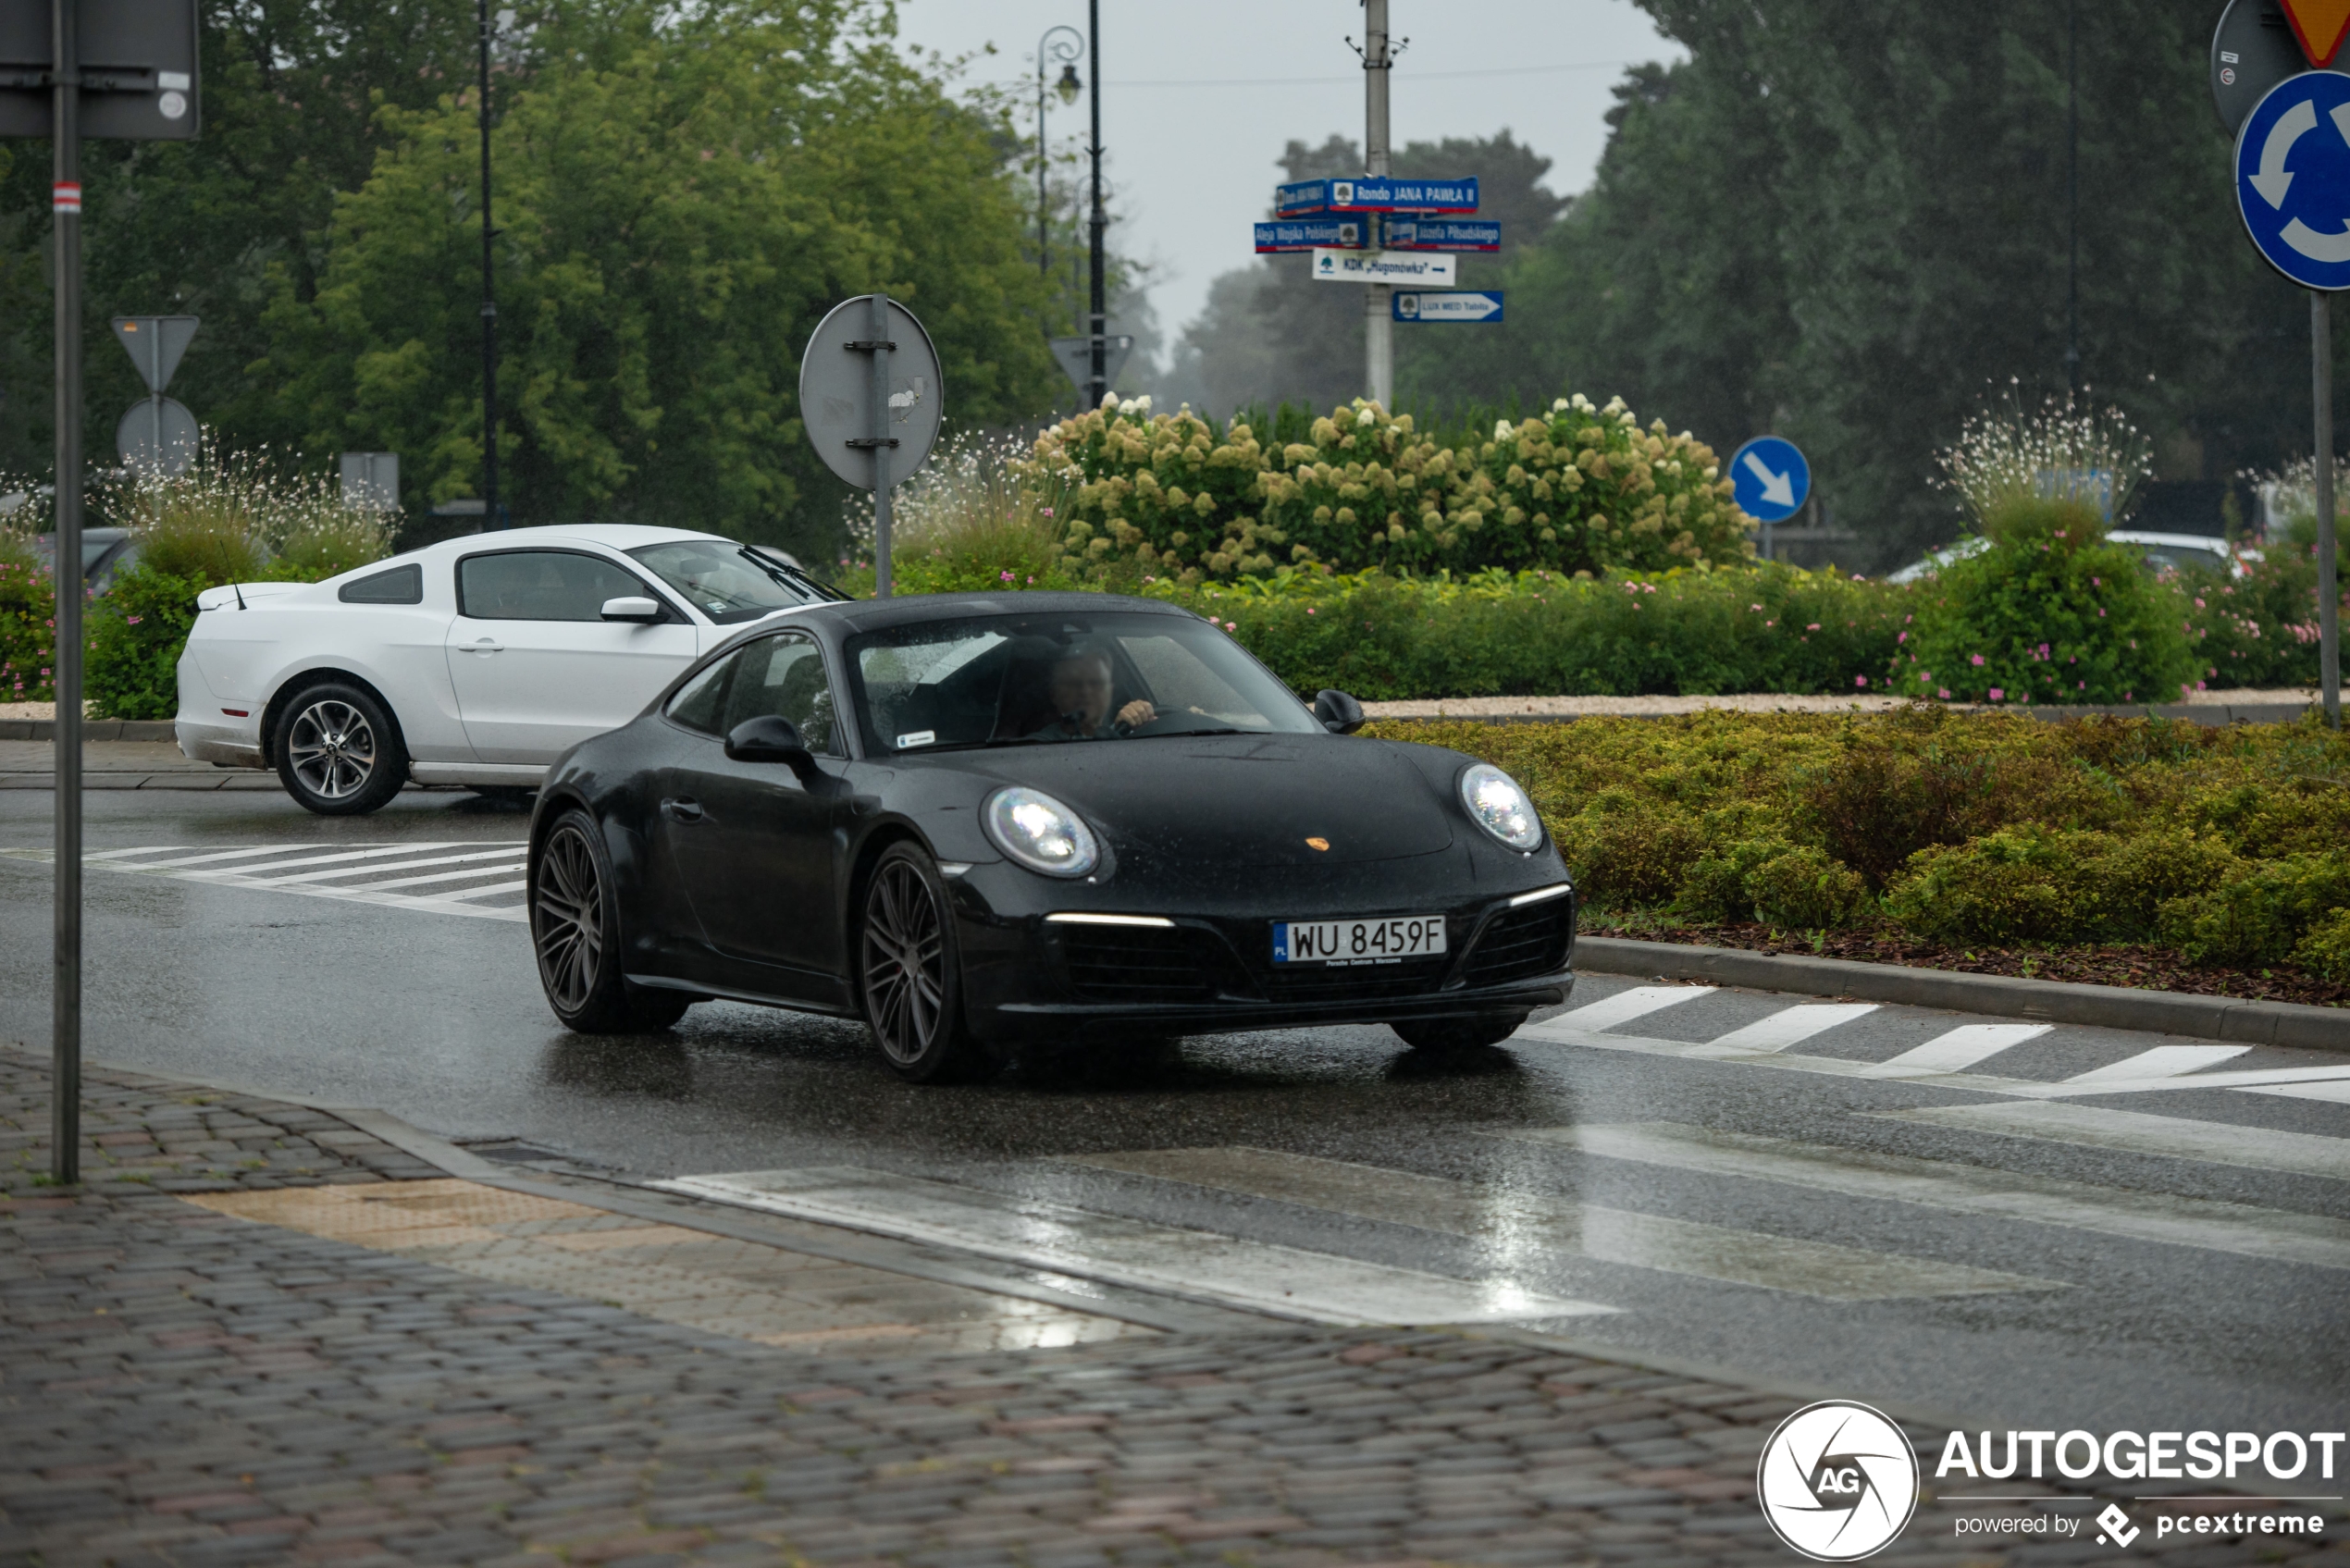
[1582,402]
[1141,404]
[1366,418]
[1109,402]
[1560,406]
[1502,431]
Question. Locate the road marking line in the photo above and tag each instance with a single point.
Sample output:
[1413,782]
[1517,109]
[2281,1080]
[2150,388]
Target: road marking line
[1792,1026]
[248,854]
[477,893]
[1626,1005]
[2096,1126]
[1958,1050]
[384,852]
[2163,1061]
[449,904]
[334,872]
[1551,1032]
[504,868]
[2201,1223]
[1519,1223]
[2336,1090]
[1255,1275]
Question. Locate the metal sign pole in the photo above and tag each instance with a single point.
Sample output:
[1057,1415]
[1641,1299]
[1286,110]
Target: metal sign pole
[2328,595]
[65,1030]
[1379,328]
[877,421]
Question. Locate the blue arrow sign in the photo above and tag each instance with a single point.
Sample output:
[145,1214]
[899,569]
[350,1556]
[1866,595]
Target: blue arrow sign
[1769,478]
[1374,193]
[1453,305]
[1442,234]
[1318,233]
[2292,178]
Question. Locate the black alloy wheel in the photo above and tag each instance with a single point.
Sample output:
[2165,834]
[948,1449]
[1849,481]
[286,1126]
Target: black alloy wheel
[339,752]
[909,972]
[1470,1033]
[574,925]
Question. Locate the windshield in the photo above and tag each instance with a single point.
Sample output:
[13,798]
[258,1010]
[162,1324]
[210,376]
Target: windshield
[726,581]
[1013,680]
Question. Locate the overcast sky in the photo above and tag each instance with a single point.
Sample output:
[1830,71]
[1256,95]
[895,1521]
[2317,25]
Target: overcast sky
[1200,97]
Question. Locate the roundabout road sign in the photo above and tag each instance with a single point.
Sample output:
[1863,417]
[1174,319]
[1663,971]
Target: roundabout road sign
[2292,179]
[1769,479]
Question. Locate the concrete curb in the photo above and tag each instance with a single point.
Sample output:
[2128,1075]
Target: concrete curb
[92,729]
[2107,1006]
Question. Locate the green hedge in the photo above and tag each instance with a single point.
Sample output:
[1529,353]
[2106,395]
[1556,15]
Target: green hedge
[28,619]
[2232,845]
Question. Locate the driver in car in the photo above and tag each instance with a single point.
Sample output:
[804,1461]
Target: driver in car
[1080,689]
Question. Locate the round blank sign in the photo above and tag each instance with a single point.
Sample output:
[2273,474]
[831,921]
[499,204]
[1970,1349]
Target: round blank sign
[158,436]
[836,386]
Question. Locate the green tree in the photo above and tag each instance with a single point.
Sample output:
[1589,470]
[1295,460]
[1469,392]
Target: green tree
[680,198]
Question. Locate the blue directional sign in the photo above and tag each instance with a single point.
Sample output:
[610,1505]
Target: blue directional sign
[1374,193]
[1441,234]
[1453,304]
[1770,480]
[1310,234]
[2292,178]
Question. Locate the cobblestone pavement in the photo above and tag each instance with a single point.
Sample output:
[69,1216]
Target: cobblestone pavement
[183,1384]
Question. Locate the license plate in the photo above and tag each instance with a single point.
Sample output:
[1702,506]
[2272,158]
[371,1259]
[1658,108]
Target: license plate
[1357,941]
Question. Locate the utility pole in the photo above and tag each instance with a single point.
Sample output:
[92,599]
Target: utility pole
[1378,329]
[2072,199]
[1097,387]
[489,517]
[64,576]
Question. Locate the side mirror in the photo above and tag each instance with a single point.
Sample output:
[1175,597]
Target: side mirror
[633,606]
[1340,713]
[771,738]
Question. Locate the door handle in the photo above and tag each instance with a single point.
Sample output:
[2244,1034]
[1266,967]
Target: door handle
[681,808]
[487,645]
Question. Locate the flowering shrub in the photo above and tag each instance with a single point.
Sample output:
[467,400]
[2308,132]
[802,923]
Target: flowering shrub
[28,612]
[1583,489]
[2259,630]
[2050,614]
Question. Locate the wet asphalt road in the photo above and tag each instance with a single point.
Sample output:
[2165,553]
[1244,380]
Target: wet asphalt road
[1479,1169]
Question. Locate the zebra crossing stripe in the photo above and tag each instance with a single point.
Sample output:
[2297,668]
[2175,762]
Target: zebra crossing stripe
[365,874]
[1196,1264]
[2135,1132]
[1626,1005]
[2163,1061]
[2336,1090]
[2205,1224]
[1517,1221]
[1792,1026]
[1956,1050]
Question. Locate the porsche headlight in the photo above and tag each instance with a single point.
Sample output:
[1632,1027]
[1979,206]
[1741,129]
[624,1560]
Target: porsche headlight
[1040,832]
[1500,807]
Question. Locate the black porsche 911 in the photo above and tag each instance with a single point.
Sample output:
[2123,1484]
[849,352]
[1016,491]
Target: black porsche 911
[1038,822]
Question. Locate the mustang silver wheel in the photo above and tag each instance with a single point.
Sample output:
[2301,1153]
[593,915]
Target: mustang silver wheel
[568,919]
[332,748]
[905,963]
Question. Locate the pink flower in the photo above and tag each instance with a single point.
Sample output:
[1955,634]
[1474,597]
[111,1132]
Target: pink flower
[1812,627]
[1048,511]
[1231,625]
[2097,582]
[2084,686]
[1860,680]
[2100,610]
[132,621]
[2199,604]
[1004,576]
[1902,639]
[2060,532]
[1944,693]
[1756,608]
[1998,695]
[1978,662]
[1309,610]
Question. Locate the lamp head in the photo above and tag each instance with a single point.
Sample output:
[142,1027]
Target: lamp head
[1069,87]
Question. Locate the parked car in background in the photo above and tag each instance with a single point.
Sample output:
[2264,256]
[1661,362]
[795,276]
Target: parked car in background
[477,661]
[2161,552]
[105,552]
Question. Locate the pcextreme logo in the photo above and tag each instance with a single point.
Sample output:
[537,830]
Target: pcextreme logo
[1838,1481]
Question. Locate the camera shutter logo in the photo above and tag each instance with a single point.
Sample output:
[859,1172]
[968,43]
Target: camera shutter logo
[1838,1481]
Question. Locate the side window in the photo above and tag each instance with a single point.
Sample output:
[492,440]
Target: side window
[784,675]
[700,702]
[402,585]
[540,585]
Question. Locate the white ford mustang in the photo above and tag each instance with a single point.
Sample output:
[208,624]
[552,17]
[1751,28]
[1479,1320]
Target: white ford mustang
[475,661]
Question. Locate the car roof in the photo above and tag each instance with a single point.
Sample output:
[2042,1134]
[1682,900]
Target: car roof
[876,614]
[2211,542]
[610,535]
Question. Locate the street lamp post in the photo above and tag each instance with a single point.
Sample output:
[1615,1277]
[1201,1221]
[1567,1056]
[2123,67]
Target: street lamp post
[1097,385]
[1061,45]
[489,305]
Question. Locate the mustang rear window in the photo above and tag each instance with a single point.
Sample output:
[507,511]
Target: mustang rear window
[402,585]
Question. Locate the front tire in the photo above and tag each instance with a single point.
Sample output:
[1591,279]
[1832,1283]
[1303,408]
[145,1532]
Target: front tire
[1443,1036]
[339,750]
[575,926]
[910,972]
